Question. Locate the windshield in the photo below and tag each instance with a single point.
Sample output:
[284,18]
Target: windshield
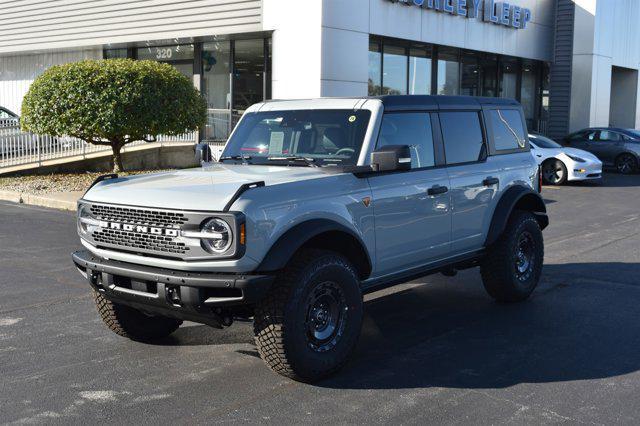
[299,137]
[543,142]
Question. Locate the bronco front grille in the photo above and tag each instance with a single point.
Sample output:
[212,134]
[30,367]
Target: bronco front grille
[156,243]
[150,231]
[135,216]
[143,230]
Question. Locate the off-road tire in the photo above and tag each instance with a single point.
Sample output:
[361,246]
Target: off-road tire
[499,269]
[131,323]
[280,321]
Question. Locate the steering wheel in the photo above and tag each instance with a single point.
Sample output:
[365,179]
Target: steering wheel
[350,151]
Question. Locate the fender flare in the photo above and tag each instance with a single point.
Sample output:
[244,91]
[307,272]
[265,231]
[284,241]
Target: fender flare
[293,239]
[524,198]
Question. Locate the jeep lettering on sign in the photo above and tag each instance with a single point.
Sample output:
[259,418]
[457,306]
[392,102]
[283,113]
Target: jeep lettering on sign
[496,12]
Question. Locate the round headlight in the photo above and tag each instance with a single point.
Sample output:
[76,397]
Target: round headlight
[221,235]
[85,218]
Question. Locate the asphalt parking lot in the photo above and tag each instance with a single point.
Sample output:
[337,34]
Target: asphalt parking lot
[438,351]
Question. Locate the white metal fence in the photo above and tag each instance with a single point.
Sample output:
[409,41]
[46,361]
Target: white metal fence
[18,147]
[21,148]
[220,123]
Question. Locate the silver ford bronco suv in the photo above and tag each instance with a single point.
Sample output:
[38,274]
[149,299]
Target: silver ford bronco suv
[312,204]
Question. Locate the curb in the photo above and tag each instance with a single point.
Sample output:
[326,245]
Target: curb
[38,200]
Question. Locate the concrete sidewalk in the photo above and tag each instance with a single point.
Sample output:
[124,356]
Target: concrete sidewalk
[56,200]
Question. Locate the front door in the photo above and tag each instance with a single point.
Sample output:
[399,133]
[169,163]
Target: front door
[607,145]
[412,214]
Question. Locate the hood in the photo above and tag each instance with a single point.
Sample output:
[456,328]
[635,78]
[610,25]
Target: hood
[554,152]
[206,188]
[579,153]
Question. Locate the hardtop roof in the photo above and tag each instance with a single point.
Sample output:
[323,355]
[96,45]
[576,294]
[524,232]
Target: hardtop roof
[405,102]
[391,102]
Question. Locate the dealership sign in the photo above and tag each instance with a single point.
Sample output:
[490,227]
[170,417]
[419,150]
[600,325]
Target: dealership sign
[492,11]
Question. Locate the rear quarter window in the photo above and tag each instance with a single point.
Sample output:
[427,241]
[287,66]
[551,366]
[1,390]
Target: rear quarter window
[463,137]
[508,130]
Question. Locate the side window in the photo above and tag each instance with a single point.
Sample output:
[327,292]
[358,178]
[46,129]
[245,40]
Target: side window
[413,129]
[4,114]
[462,133]
[607,136]
[576,137]
[591,136]
[508,131]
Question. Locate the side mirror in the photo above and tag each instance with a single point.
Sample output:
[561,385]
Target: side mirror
[203,153]
[391,158]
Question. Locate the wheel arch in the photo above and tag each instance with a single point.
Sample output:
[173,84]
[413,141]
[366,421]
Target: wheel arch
[318,233]
[516,198]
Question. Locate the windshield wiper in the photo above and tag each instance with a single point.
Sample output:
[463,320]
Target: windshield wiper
[311,162]
[243,158]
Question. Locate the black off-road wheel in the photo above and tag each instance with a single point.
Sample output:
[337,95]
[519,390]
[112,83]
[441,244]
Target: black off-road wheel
[310,321]
[512,266]
[133,324]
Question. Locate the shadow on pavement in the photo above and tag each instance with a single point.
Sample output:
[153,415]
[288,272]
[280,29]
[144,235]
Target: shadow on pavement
[450,334]
[446,336]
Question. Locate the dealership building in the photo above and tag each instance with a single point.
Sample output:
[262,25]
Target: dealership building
[571,63]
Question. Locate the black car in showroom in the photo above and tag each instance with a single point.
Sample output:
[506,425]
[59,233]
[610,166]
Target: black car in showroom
[615,147]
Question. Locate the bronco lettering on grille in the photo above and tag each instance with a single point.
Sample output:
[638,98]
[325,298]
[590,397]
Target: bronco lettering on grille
[139,229]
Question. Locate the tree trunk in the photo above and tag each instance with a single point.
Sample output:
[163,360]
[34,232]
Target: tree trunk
[117,158]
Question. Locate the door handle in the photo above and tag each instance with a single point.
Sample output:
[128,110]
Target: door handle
[437,190]
[491,181]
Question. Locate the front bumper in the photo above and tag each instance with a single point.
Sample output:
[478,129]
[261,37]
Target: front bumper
[193,296]
[584,171]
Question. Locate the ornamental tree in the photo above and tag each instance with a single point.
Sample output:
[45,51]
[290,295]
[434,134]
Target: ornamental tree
[113,102]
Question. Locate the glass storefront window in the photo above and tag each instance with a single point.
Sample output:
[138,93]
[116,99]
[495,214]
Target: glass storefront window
[179,55]
[489,69]
[216,74]
[249,73]
[420,71]
[509,78]
[394,74]
[448,72]
[166,53]
[375,69]
[115,53]
[470,82]
[397,67]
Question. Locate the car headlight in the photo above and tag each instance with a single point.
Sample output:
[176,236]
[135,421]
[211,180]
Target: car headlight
[216,235]
[86,221]
[577,159]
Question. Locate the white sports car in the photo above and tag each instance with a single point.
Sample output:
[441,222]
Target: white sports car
[561,164]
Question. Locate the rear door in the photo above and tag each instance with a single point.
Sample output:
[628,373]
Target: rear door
[474,180]
[411,208]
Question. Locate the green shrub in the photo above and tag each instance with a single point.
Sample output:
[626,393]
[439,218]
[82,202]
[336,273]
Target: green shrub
[113,102]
